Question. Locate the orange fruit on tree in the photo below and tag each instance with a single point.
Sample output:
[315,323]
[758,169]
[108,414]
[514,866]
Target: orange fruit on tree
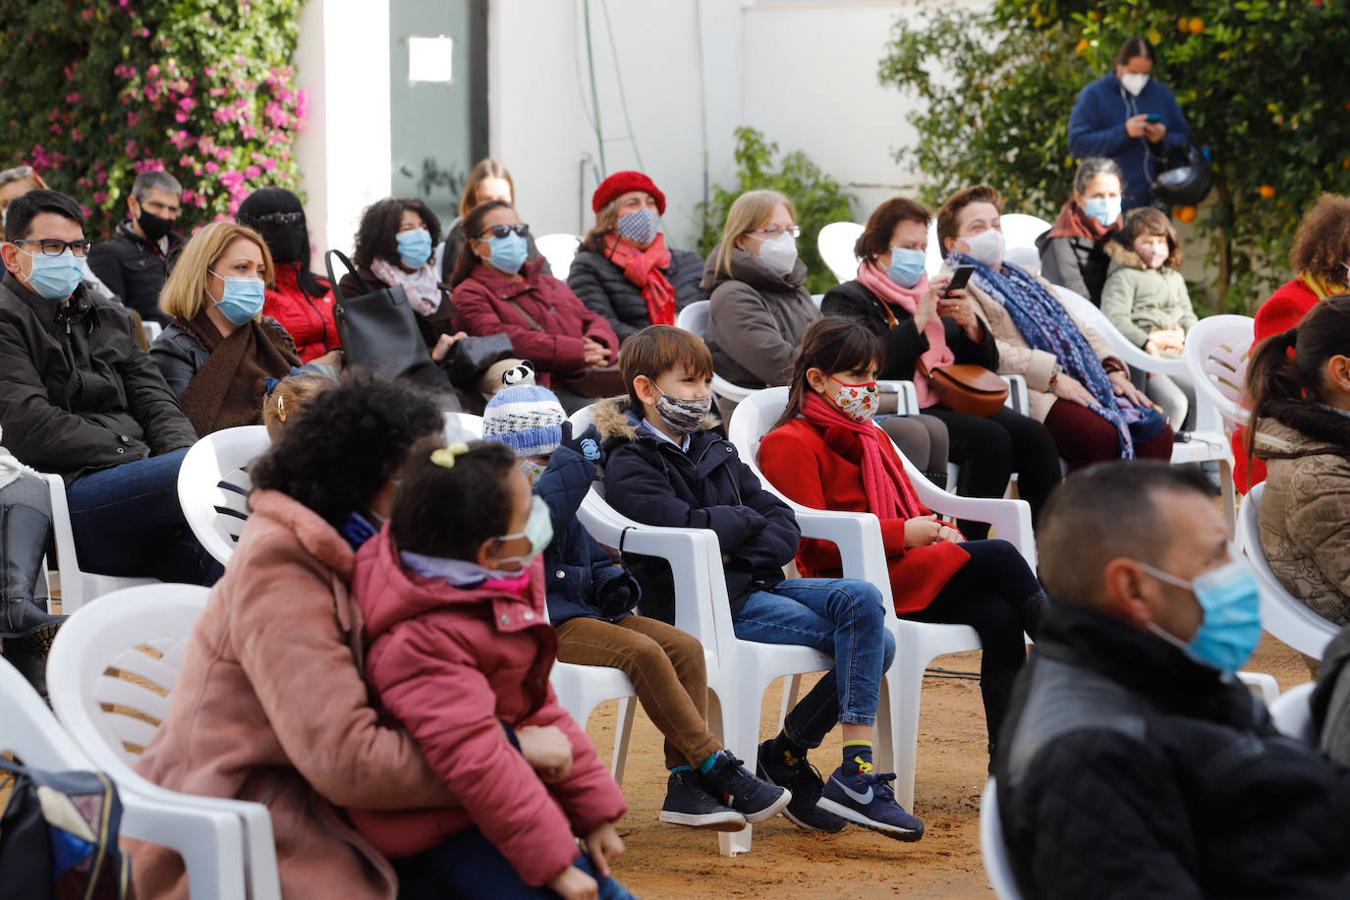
[1267,191]
[1186,214]
[1082,46]
[1184,25]
[1197,25]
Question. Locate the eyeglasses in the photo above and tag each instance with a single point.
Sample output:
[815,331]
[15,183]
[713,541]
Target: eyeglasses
[53,247]
[501,231]
[774,231]
[274,218]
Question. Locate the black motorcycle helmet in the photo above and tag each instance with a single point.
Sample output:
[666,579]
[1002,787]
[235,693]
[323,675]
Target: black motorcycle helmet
[1187,180]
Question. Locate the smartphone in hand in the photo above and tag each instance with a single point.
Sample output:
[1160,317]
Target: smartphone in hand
[1154,118]
[959,280]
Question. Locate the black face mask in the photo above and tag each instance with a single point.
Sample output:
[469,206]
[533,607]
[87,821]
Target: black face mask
[287,242]
[155,227]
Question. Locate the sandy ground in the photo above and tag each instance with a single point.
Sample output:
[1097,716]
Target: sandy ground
[668,861]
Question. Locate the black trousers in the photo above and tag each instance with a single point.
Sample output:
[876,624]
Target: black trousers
[989,450]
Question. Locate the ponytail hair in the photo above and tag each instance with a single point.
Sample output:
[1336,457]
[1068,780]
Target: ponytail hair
[831,344]
[1284,376]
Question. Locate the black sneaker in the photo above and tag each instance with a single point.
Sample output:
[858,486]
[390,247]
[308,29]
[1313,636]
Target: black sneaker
[755,799]
[687,803]
[802,779]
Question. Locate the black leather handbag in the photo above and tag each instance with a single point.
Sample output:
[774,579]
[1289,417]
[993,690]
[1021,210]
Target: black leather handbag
[379,332]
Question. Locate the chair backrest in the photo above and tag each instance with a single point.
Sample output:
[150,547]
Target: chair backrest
[835,243]
[461,426]
[932,263]
[1024,257]
[559,250]
[29,730]
[694,317]
[151,330]
[113,666]
[213,486]
[1094,318]
[1292,712]
[1216,355]
[1282,614]
[993,849]
[1021,230]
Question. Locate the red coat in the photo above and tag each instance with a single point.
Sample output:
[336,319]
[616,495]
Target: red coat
[824,473]
[308,319]
[1285,309]
[490,302]
[452,665]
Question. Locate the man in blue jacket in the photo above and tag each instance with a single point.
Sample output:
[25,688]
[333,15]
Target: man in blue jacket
[1130,117]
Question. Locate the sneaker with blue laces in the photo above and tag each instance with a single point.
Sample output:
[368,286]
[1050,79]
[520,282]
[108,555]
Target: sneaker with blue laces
[865,798]
[802,779]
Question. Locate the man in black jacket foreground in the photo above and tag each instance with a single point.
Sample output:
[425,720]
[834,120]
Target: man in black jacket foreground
[1133,763]
[79,398]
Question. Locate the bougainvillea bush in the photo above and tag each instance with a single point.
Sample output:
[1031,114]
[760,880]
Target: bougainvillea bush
[96,91]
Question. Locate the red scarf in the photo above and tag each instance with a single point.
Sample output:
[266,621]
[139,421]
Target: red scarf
[1074,222]
[643,268]
[889,493]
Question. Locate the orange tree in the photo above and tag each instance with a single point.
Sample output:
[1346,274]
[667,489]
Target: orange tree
[1261,81]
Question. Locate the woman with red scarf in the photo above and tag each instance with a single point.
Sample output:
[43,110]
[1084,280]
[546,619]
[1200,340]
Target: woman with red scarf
[827,454]
[624,270]
[1073,251]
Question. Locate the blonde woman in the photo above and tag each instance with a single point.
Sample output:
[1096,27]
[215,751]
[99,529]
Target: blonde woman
[218,350]
[625,272]
[487,180]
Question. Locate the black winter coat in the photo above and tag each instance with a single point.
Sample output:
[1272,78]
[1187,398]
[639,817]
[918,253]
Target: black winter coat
[602,286]
[77,392]
[1128,769]
[653,482]
[135,270]
[578,570]
[905,343]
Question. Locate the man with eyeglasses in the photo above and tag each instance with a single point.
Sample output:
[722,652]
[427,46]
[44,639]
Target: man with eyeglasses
[135,261]
[79,398]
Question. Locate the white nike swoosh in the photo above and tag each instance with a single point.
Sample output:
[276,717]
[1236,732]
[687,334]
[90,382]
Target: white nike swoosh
[856,797]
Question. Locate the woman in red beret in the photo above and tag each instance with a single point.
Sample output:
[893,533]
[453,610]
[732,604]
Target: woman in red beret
[624,271]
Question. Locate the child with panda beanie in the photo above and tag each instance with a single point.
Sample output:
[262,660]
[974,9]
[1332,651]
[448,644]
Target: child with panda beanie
[591,602]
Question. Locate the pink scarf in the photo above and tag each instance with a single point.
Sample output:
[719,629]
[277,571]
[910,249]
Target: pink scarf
[889,493]
[938,353]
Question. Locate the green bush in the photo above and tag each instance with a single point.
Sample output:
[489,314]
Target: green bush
[99,90]
[818,198]
[1259,80]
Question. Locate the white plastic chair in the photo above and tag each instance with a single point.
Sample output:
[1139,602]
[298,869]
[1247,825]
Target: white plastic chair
[460,424]
[151,330]
[142,632]
[210,841]
[835,243]
[559,250]
[77,587]
[580,689]
[1282,614]
[1021,230]
[858,536]
[213,486]
[694,318]
[1292,712]
[993,850]
[1216,359]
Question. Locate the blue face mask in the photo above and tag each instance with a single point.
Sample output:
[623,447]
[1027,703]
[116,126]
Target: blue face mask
[907,266]
[1231,601]
[1104,209]
[242,299]
[55,277]
[508,253]
[538,530]
[414,247]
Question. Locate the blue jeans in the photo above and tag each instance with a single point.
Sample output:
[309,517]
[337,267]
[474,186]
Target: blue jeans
[468,866]
[840,616]
[127,521]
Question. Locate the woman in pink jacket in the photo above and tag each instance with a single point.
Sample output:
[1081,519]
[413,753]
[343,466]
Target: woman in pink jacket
[497,291]
[453,598]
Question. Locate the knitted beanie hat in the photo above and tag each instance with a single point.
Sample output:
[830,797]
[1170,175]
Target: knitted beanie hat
[526,418]
[621,183]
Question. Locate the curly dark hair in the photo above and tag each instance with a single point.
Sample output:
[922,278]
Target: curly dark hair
[350,442]
[377,235]
[450,512]
[1322,243]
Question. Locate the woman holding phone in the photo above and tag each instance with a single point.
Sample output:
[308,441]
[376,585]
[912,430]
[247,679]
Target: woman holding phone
[925,323]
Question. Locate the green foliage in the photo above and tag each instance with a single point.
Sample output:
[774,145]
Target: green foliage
[99,90]
[818,198]
[1259,81]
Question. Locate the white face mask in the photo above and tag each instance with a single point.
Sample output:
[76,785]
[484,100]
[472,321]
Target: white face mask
[987,247]
[1134,82]
[779,254]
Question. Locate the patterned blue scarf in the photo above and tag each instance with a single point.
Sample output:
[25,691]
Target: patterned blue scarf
[1046,325]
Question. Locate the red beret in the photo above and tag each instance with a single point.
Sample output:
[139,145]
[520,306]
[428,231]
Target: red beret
[620,183]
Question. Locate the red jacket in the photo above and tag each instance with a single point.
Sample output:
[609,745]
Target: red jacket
[308,319]
[491,302]
[451,665]
[825,473]
[1285,309]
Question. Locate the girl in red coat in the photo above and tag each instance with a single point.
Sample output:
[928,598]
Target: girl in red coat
[452,593]
[826,453]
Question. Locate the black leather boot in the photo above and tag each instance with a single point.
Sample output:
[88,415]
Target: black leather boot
[26,629]
[996,690]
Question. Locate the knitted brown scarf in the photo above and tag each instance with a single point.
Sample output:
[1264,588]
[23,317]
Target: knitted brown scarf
[228,390]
